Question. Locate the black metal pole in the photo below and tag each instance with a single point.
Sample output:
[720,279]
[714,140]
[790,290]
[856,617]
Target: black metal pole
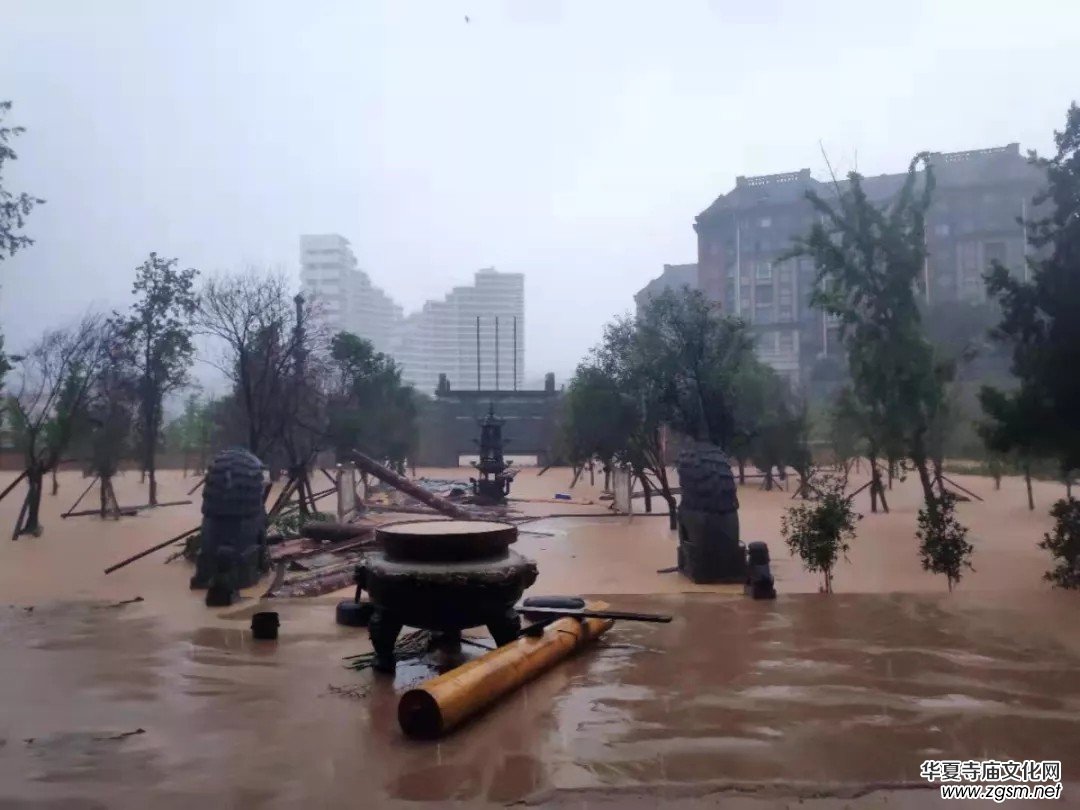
[496,352]
[515,352]
[477,352]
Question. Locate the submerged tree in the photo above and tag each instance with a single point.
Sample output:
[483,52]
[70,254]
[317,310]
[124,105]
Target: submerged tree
[1063,543]
[819,532]
[870,261]
[157,330]
[48,405]
[254,318]
[192,432]
[1041,321]
[369,407]
[698,355]
[943,545]
[112,402]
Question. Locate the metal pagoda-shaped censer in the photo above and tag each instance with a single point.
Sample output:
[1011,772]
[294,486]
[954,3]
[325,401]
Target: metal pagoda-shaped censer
[493,485]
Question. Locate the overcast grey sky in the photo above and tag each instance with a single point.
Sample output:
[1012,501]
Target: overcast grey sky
[571,140]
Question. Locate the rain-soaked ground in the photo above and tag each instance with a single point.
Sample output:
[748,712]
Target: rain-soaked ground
[803,702]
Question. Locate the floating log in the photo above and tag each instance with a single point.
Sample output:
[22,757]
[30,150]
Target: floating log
[438,705]
[399,482]
[328,532]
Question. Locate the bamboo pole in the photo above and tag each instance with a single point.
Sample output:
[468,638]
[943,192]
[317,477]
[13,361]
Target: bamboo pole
[438,705]
[152,549]
[14,484]
[75,505]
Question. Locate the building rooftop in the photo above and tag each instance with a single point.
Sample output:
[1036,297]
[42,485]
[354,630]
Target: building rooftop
[952,169]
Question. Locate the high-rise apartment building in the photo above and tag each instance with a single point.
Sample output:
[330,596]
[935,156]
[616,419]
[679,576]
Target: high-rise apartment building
[346,299]
[442,337]
[742,236]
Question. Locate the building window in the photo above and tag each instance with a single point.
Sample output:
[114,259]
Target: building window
[764,314]
[763,294]
[786,315]
[941,230]
[763,271]
[765,222]
[786,342]
[785,293]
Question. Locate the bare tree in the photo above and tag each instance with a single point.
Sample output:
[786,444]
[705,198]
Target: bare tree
[270,348]
[48,403]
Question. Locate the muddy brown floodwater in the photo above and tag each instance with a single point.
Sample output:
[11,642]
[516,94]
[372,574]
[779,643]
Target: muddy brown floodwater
[808,701]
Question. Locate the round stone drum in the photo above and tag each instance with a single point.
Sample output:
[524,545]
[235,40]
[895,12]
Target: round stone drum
[445,576]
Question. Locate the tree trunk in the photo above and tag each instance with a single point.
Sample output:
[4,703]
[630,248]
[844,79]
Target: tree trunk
[607,478]
[997,480]
[929,497]
[592,475]
[892,468]
[29,520]
[673,508]
[577,474]
[150,459]
[939,475]
[742,470]
[768,482]
[873,484]
[1027,481]
[645,488]
[55,483]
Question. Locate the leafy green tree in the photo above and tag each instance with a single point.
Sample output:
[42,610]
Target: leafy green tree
[1014,426]
[1063,543]
[943,545]
[369,406]
[158,333]
[1041,319]
[678,365]
[697,354]
[846,431]
[759,390]
[819,532]
[14,208]
[869,263]
[192,432]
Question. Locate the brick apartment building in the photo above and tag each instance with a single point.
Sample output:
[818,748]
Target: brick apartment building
[972,222]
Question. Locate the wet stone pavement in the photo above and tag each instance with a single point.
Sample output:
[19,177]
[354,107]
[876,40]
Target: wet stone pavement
[835,698]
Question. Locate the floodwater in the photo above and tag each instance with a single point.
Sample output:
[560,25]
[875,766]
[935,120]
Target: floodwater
[806,701]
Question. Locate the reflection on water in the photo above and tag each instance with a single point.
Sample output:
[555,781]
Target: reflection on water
[850,689]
